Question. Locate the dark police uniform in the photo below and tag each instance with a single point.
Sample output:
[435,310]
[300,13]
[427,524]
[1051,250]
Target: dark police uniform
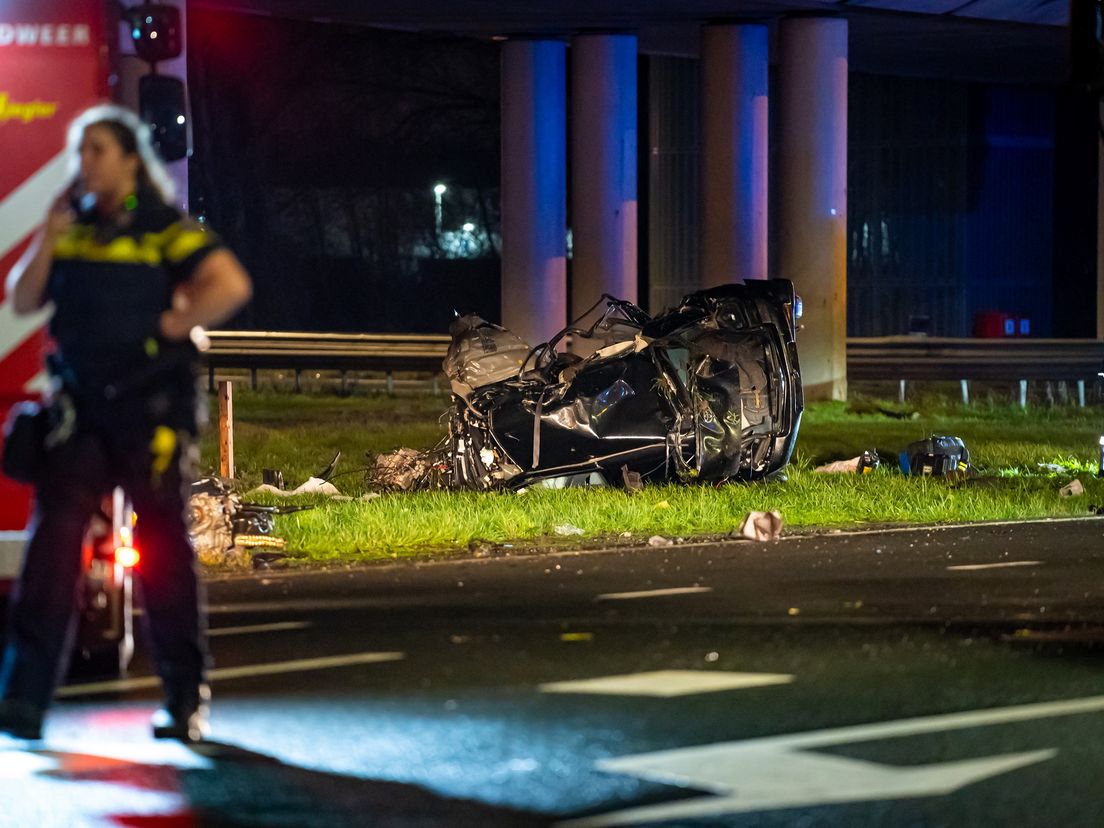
[136,403]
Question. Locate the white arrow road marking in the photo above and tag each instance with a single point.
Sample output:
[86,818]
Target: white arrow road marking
[775,772]
[225,673]
[1002,565]
[667,683]
[652,593]
[761,780]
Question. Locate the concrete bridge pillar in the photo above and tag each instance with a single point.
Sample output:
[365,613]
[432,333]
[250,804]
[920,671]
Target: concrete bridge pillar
[813,211]
[603,168]
[534,188]
[734,67]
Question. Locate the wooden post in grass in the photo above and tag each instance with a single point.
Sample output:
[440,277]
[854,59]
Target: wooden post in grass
[226,428]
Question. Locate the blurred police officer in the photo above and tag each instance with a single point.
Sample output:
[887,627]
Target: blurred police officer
[130,279]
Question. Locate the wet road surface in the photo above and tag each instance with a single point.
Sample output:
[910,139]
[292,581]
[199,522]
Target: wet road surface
[933,677]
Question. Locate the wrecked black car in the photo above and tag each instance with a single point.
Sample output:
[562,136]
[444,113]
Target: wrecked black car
[706,392]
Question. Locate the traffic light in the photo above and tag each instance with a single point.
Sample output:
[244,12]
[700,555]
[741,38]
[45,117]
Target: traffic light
[155,31]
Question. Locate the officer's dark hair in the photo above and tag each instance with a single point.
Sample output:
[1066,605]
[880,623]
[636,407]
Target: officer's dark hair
[126,139]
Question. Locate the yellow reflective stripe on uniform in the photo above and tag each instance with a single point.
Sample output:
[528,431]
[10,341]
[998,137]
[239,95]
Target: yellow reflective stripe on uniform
[173,244]
[188,240]
[81,244]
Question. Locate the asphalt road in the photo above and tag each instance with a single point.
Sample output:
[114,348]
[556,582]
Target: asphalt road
[929,677]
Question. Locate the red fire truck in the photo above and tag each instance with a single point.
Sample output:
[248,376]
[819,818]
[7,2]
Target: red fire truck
[54,62]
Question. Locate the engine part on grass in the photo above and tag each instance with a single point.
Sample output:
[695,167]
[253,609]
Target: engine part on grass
[211,527]
[936,457]
[399,470]
[707,392]
[253,519]
[223,527]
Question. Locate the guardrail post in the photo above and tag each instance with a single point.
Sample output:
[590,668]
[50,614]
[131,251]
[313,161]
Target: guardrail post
[298,381]
[1080,393]
[1023,393]
[965,391]
[901,392]
[344,375]
[253,378]
[435,385]
[210,379]
[226,429]
[390,383]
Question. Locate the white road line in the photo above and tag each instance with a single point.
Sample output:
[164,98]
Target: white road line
[651,593]
[311,604]
[1003,565]
[667,683]
[931,724]
[278,626]
[226,673]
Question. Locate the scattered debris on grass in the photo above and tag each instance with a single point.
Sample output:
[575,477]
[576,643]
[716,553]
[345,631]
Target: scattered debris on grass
[566,529]
[761,526]
[1074,488]
[936,457]
[224,530]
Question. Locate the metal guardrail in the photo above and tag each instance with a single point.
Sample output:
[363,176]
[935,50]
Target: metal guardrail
[298,352]
[942,358]
[875,358]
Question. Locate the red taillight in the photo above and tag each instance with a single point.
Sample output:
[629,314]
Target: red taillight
[126,556]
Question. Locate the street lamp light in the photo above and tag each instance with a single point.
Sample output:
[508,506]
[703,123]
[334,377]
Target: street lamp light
[439,190]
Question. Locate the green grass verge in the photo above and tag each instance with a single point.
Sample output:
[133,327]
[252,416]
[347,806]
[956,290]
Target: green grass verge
[299,434]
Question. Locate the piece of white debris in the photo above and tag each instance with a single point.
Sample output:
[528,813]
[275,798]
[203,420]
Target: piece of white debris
[762,526]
